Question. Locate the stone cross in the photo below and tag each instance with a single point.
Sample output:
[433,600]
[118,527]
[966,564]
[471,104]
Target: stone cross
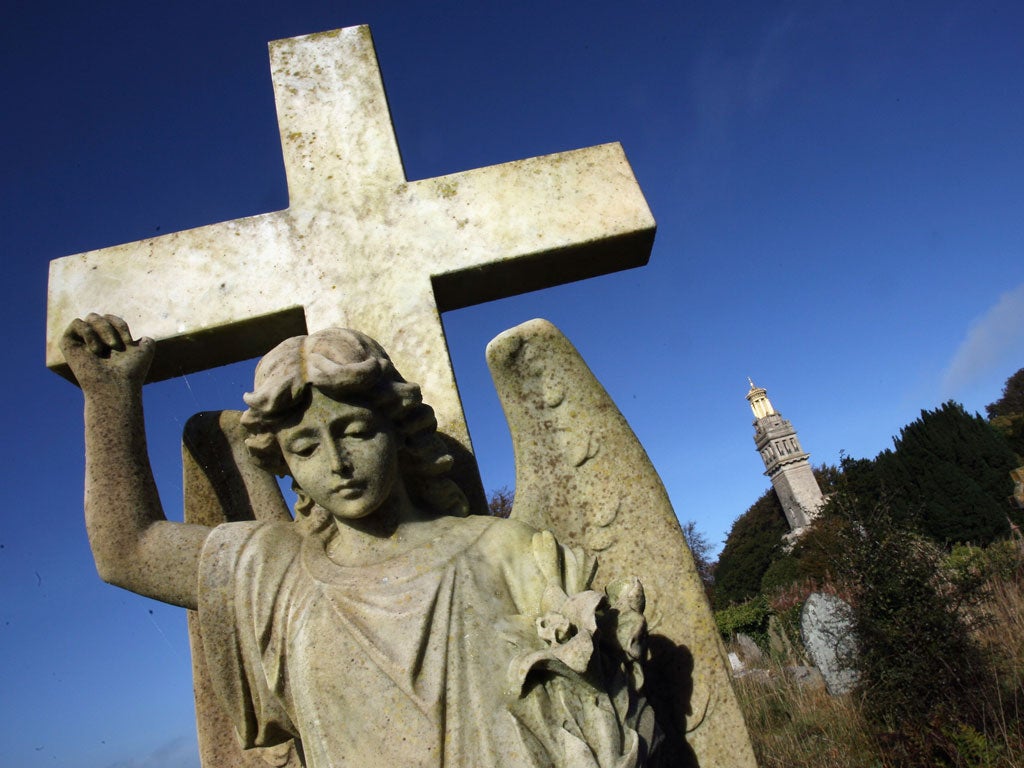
[359,245]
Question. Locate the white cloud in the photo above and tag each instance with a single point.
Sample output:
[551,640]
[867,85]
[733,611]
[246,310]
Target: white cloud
[991,340]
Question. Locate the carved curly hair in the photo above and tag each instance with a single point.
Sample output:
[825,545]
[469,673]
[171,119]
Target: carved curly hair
[341,362]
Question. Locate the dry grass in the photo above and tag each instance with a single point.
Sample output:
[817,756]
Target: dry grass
[793,725]
[1002,640]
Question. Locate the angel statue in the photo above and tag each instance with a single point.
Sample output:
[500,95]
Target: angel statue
[383,626]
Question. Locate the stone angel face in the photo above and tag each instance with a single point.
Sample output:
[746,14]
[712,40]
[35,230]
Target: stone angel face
[343,454]
[330,410]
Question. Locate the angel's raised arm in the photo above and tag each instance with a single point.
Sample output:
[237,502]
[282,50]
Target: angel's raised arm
[133,543]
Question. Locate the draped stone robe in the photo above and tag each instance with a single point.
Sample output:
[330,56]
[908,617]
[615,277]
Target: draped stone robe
[429,659]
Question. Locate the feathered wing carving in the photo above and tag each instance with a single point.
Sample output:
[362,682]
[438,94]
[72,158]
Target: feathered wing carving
[582,474]
[222,485]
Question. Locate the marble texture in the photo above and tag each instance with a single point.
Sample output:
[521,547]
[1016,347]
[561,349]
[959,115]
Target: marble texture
[383,625]
[582,473]
[484,642]
[220,484]
[359,245]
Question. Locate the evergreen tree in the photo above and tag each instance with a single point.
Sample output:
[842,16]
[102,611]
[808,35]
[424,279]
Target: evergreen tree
[952,469]
[753,542]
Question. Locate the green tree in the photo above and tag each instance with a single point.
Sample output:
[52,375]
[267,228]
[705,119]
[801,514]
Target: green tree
[1012,401]
[952,468]
[754,540]
[1006,414]
[1012,429]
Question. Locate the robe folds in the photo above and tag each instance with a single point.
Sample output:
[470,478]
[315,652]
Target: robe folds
[473,651]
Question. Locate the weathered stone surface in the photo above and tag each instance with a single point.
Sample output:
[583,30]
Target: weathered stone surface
[221,484]
[785,464]
[826,629]
[359,246]
[748,649]
[581,472]
[807,677]
[779,641]
[383,626]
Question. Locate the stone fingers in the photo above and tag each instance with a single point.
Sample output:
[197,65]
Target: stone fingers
[98,334]
[100,348]
[118,335]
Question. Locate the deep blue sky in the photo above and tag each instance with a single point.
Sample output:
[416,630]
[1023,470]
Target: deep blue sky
[839,190]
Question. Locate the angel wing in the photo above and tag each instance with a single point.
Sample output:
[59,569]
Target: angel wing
[222,485]
[582,474]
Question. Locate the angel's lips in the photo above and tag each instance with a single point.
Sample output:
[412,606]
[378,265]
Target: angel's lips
[350,490]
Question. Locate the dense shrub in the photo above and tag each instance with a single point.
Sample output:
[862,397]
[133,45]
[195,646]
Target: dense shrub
[750,618]
[916,541]
[968,564]
[917,658]
[781,573]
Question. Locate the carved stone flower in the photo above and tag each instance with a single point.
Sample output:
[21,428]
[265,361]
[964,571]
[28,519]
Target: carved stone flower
[564,633]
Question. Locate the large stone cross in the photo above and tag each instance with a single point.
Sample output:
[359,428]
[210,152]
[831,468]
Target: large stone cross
[359,245]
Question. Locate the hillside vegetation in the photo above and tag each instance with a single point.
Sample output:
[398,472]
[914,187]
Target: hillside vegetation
[923,542]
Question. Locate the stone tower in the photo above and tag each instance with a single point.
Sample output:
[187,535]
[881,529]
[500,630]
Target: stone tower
[785,462]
